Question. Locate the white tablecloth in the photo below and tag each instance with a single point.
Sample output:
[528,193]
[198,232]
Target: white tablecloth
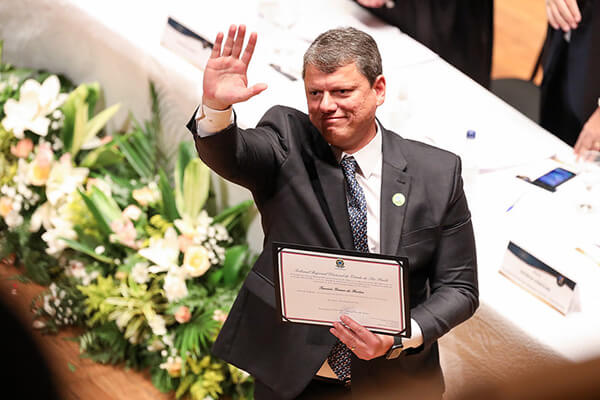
[118,44]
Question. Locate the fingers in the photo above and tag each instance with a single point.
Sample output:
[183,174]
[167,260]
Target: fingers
[216,51]
[229,41]
[234,44]
[363,333]
[586,141]
[346,336]
[251,92]
[250,48]
[558,18]
[563,14]
[589,137]
[239,41]
[567,14]
[550,12]
[574,8]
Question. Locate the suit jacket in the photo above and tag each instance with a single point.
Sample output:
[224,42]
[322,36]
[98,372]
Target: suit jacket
[299,190]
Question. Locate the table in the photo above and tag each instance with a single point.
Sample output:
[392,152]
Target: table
[427,100]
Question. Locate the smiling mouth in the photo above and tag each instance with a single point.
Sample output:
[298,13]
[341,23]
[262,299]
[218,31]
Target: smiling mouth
[332,119]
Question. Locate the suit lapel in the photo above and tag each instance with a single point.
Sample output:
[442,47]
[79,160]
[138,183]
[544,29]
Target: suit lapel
[394,182]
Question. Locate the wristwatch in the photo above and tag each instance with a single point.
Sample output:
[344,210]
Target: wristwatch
[395,350]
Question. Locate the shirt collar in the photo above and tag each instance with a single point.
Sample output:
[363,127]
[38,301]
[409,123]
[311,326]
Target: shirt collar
[369,157]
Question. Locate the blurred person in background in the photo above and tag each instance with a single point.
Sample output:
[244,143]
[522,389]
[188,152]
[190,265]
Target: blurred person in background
[459,31]
[570,106]
[27,374]
[562,381]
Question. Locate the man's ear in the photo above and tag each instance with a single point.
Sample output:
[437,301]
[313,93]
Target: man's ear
[379,88]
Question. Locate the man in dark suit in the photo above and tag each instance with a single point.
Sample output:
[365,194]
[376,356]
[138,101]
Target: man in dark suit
[408,195]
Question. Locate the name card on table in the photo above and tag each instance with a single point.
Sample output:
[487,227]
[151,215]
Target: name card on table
[186,43]
[538,278]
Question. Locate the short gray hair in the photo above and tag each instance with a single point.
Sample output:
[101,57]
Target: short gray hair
[339,47]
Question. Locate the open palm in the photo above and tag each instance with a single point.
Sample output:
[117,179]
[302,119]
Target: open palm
[225,76]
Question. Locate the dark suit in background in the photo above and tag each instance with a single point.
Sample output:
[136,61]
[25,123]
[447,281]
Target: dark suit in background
[459,31]
[571,84]
[298,187]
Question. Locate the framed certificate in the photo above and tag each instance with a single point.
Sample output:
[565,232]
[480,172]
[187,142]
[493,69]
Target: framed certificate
[317,285]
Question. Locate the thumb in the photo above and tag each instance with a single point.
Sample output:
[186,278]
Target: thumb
[256,89]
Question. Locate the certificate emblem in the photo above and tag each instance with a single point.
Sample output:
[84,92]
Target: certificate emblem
[339,263]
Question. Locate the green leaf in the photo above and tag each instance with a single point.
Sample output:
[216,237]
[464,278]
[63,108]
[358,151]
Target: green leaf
[184,385]
[92,96]
[234,261]
[215,277]
[169,210]
[103,156]
[86,250]
[107,206]
[81,119]
[136,162]
[196,186]
[228,215]
[94,125]
[162,380]
[103,223]
[185,154]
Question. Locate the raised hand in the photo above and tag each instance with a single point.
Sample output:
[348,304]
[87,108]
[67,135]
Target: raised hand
[225,79]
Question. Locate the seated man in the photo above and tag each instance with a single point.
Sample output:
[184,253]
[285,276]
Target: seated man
[336,178]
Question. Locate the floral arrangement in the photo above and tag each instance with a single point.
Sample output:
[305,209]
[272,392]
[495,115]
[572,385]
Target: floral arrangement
[147,266]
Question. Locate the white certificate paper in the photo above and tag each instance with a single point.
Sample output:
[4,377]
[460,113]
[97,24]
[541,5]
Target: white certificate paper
[317,286]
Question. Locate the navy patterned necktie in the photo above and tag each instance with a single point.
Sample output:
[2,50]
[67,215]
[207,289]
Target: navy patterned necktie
[339,358]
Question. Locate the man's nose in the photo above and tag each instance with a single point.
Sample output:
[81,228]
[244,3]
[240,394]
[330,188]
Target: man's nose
[328,104]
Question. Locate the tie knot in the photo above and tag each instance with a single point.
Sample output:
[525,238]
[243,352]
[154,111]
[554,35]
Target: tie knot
[349,165]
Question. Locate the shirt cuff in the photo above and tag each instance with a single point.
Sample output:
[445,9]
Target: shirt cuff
[210,121]
[416,337]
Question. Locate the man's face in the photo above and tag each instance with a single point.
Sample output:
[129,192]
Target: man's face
[342,105]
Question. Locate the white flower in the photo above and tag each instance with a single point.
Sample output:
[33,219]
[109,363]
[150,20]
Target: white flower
[61,228]
[146,195]
[132,212]
[174,286]
[41,215]
[35,103]
[164,252]
[99,250]
[13,219]
[64,179]
[196,261]
[158,325]
[139,272]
